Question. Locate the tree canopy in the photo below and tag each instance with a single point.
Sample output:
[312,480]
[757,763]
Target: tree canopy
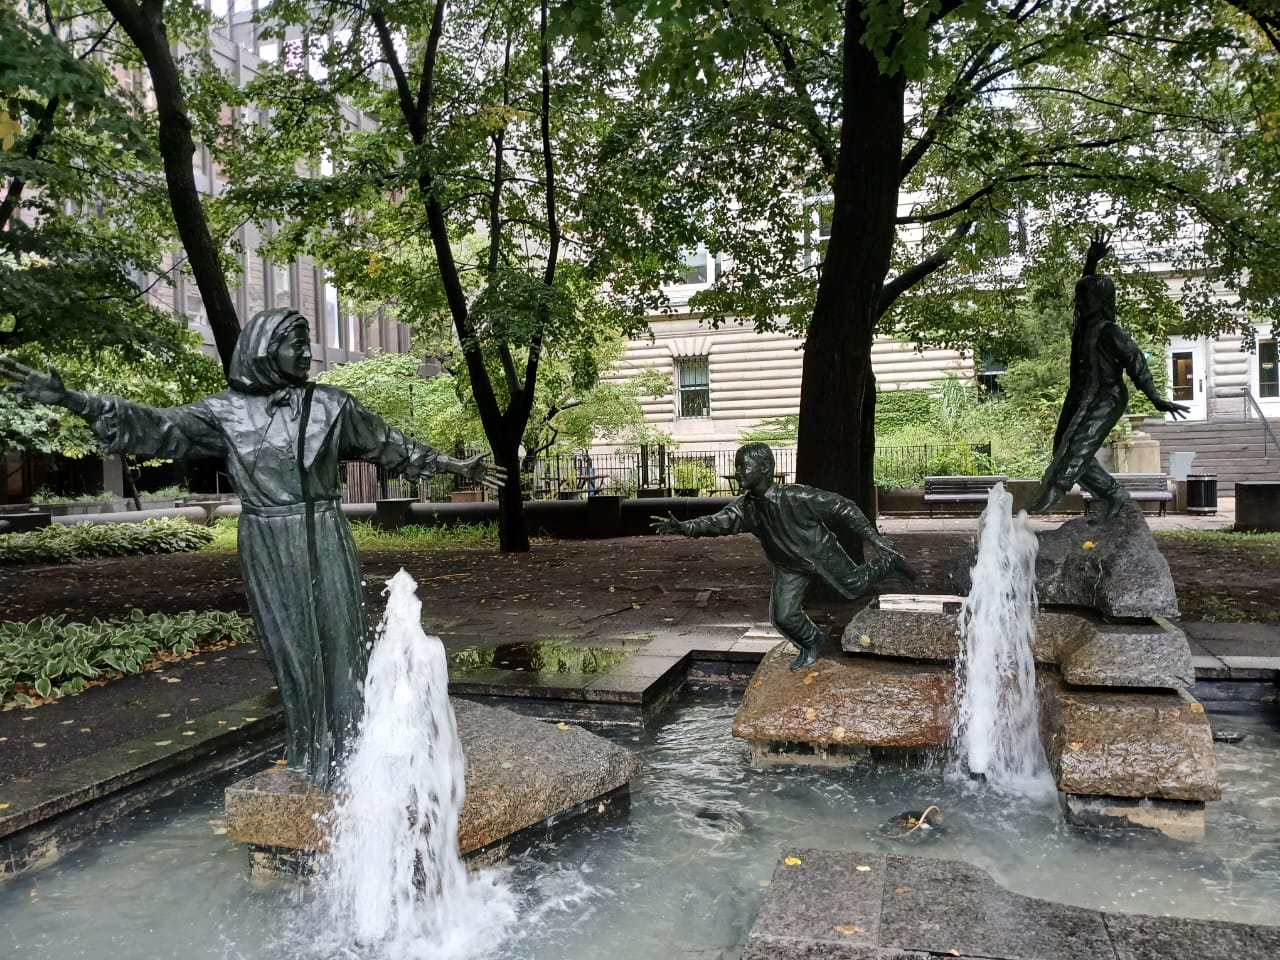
[887,167]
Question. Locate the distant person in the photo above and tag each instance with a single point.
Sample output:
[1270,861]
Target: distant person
[793,523]
[1101,354]
[282,436]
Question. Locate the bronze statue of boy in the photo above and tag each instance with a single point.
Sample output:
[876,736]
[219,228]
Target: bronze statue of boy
[793,523]
[282,436]
[1101,354]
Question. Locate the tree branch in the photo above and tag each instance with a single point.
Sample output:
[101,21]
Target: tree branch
[910,277]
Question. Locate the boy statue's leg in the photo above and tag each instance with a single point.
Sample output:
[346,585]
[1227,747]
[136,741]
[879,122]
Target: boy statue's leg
[785,597]
[1106,489]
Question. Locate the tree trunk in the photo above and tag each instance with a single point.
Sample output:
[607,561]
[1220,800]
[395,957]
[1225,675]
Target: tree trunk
[836,443]
[513,534]
[144,23]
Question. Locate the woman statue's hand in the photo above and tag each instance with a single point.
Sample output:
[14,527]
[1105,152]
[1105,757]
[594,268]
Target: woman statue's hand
[32,384]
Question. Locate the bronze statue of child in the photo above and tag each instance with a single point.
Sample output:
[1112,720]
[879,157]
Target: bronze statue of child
[793,523]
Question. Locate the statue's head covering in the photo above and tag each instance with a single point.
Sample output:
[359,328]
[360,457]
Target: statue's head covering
[253,363]
[1095,299]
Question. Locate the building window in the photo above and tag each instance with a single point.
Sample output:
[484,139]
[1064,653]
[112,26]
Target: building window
[1268,370]
[701,269]
[332,326]
[694,387]
[193,303]
[282,285]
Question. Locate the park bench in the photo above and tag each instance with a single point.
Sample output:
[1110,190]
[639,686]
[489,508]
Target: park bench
[1140,486]
[208,502]
[958,489]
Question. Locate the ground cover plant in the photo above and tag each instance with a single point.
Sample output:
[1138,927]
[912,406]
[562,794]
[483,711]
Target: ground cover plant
[411,536]
[50,657]
[61,543]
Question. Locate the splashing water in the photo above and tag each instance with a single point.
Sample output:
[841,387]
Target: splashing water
[392,883]
[997,727]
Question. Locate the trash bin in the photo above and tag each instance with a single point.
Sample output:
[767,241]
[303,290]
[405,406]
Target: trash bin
[1202,493]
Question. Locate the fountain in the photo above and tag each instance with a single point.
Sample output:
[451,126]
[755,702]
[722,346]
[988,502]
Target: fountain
[519,774]
[391,878]
[996,726]
[1126,743]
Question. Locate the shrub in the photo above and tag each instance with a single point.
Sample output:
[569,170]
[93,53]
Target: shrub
[52,658]
[84,541]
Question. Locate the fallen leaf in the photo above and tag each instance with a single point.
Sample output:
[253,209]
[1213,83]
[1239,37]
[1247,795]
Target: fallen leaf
[847,928]
[864,640]
[810,714]
[901,889]
[793,861]
[250,719]
[4,806]
[1074,745]
[954,953]
[39,745]
[862,868]
[807,680]
[1197,708]
[562,725]
[163,715]
[1087,545]
[280,763]
[164,743]
[506,764]
[188,733]
[86,730]
[66,722]
[838,733]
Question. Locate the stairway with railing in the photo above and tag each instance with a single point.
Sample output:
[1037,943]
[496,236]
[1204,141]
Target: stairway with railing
[1236,450]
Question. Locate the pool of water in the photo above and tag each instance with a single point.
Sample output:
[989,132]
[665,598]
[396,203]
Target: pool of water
[683,876]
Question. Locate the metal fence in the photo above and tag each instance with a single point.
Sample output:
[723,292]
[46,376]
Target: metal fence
[660,470]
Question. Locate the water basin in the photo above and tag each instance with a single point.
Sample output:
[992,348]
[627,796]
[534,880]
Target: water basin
[683,875]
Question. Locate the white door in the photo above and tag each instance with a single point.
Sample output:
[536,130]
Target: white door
[1187,368]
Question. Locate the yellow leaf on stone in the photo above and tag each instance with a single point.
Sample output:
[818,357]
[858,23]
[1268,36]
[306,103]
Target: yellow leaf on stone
[810,714]
[793,861]
[250,719]
[808,680]
[901,889]
[862,868]
[864,640]
[1088,545]
[39,745]
[847,928]
[838,733]
[280,763]
[163,715]
[1074,745]
[1197,708]
[164,743]
[188,733]
[4,806]
[562,725]
[954,953]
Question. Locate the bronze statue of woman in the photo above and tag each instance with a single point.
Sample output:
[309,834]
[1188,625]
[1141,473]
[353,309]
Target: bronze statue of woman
[282,436]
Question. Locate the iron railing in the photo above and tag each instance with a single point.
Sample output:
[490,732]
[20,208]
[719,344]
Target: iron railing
[661,470]
[1251,403]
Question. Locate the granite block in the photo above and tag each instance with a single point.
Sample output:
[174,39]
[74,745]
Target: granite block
[1138,937]
[948,908]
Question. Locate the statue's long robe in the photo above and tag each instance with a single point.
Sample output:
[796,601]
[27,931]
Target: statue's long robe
[299,561]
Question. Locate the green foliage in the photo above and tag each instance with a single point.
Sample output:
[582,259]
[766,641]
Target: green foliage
[61,543]
[773,430]
[84,205]
[368,537]
[693,473]
[44,495]
[53,658]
